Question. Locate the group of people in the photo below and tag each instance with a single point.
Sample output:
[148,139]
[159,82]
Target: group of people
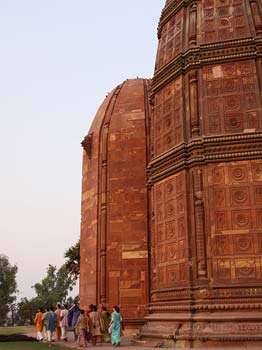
[91,325]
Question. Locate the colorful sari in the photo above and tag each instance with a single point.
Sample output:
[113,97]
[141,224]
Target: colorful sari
[116,328]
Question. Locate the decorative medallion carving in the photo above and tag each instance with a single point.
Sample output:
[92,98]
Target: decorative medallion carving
[234,109]
[168,117]
[236,217]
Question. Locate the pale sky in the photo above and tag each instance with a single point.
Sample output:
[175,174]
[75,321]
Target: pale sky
[58,60]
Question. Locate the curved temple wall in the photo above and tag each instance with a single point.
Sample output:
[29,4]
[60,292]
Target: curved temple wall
[114,230]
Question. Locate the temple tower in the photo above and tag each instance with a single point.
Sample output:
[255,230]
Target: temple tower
[205,175]
[114,228]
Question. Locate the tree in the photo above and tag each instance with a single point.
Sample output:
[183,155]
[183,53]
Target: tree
[72,263]
[54,287]
[8,287]
[25,311]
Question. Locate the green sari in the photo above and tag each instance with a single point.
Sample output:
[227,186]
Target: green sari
[116,328]
[106,320]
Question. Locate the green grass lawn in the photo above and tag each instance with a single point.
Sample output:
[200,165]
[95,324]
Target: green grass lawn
[28,346]
[16,330]
[24,345]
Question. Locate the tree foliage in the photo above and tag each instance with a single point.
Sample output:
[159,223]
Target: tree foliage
[72,263]
[25,311]
[8,287]
[54,287]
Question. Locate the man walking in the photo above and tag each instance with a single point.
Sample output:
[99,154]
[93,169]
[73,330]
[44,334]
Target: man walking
[51,319]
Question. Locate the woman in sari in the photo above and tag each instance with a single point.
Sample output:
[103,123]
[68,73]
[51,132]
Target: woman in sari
[72,318]
[82,327]
[96,325]
[105,315]
[115,325]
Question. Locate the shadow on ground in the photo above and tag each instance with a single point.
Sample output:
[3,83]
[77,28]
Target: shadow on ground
[15,337]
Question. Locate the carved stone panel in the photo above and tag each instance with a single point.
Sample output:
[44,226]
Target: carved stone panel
[223,20]
[235,207]
[231,102]
[171,232]
[170,44]
[168,117]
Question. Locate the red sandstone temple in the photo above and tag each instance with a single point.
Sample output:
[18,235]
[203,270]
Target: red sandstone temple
[172,184]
